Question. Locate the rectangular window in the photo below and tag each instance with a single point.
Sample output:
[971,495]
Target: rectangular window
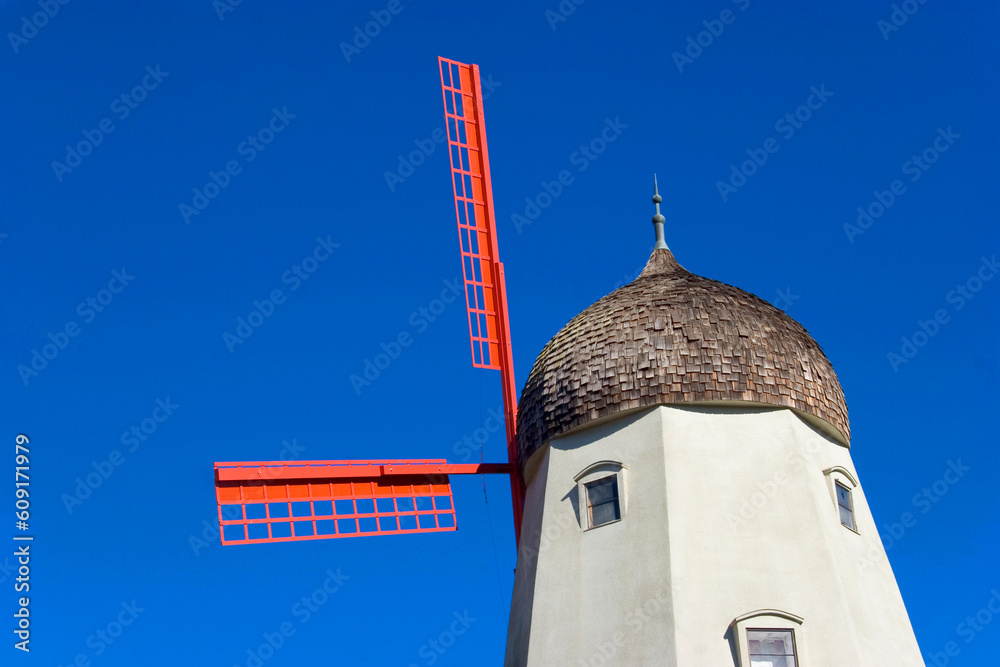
[771,648]
[602,501]
[845,506]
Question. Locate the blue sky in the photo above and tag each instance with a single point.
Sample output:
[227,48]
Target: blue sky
[151,347]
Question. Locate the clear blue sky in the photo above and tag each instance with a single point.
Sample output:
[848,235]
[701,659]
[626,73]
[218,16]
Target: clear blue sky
[212,81]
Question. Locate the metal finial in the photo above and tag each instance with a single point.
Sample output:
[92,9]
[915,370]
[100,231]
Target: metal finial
[658,219]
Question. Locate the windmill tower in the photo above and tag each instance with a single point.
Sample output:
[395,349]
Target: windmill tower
[691,498]
[682,486]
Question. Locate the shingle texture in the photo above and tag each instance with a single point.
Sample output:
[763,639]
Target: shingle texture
[673,337]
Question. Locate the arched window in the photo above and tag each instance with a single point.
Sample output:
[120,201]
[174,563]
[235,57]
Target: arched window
[842,484]
[768,638]
[601,492]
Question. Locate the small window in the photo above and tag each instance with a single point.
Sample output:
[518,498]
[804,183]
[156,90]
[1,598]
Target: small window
[841,484]
[601,494]
[771,648]
[768,638]
[602,501]
[845,506]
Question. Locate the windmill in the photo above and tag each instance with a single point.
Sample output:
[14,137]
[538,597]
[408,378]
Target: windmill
[281,501]
[647,423]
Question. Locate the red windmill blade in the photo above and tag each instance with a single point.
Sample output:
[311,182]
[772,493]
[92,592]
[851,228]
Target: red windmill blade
[281,501]
[485,288]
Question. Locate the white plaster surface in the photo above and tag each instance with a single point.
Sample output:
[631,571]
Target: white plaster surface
[727,511]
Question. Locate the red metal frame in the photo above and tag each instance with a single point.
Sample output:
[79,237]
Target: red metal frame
[469,167]
[274,470]
[485,286]
[279,501]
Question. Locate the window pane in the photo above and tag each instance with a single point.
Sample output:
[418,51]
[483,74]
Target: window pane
[844,505]
[843,496]
[604,513]
[846,517]
[771,648]
[776,661]
[602,499]
[601,491]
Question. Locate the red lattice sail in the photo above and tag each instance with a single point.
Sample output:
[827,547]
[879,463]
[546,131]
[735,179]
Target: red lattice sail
[470,171]
[277,501]
[485,293]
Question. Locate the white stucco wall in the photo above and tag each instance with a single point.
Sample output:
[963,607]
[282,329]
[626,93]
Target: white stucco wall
[726,511]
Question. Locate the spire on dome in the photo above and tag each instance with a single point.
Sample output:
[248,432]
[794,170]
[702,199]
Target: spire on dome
[658,219]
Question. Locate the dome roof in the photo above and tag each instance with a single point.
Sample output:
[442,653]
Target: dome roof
[673,337]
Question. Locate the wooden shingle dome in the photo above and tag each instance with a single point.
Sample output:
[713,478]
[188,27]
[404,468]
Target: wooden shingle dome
[673,337]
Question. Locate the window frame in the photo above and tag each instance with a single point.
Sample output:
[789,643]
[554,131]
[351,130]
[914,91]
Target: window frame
[837,485]
[774,620]
[840,476]
[597,472]
[790,631]
[612,481]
